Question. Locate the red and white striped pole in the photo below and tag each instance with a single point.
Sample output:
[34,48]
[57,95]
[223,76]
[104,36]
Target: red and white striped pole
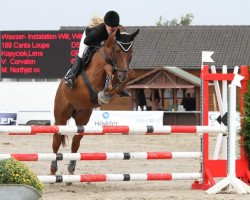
[120,177]
[102,130]
[102,156]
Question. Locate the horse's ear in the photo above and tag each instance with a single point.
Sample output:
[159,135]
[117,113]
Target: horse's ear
[132,36]
[111,39]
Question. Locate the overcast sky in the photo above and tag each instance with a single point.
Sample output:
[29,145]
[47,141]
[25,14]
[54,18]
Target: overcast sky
[51,14]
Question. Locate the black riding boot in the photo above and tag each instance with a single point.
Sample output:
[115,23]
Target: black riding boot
[70,77]
[125,93]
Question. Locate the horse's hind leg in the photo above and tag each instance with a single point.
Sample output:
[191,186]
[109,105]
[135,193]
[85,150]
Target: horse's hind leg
[57,141]
[81,118]
[62,112]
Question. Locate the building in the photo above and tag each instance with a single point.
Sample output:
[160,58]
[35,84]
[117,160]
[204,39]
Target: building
[167,61]
[157,49]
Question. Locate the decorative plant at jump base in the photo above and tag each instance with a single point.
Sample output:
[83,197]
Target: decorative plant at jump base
[16,172]
[246,126]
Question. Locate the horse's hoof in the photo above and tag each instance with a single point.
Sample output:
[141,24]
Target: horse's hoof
[71,167]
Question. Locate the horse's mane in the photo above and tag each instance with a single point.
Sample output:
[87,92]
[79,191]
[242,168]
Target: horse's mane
[95,21]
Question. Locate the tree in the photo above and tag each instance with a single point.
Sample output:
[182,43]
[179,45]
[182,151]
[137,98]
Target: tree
[246,123]
[173,22]
[159,23]
[185,20]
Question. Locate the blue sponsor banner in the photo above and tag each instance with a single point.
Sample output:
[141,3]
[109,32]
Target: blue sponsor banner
[8,118]
[126,118]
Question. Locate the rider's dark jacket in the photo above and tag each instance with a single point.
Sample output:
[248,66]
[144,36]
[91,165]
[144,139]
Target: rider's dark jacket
[95,35]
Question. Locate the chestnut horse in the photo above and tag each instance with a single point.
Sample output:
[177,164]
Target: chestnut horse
[108,67]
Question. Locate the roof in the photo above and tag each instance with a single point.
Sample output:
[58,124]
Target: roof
[165,77]
[160,86]
[181,46]
[185,75]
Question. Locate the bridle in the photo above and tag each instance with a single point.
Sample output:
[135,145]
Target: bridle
[111,58]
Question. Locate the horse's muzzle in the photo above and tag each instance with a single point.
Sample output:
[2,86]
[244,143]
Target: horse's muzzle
[122,76]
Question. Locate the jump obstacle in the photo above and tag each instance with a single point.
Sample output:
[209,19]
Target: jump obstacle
[209,170]
[120,177]
[102,156]
[218,168]
[103,130]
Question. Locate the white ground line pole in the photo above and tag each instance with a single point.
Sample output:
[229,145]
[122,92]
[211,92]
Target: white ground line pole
[231,182]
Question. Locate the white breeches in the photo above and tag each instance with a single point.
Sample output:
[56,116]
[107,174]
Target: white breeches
[83,46]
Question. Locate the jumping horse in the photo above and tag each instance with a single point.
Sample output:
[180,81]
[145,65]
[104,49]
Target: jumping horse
[109,69]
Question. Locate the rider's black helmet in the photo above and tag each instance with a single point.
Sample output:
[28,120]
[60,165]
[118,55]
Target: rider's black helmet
[112,19]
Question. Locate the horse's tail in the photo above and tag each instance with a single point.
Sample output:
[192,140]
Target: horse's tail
[63,141]
[95,21]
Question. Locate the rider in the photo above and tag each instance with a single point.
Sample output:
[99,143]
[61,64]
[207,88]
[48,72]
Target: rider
[93,37]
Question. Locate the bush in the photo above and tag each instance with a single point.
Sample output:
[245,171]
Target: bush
[16,172]
[246,128]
